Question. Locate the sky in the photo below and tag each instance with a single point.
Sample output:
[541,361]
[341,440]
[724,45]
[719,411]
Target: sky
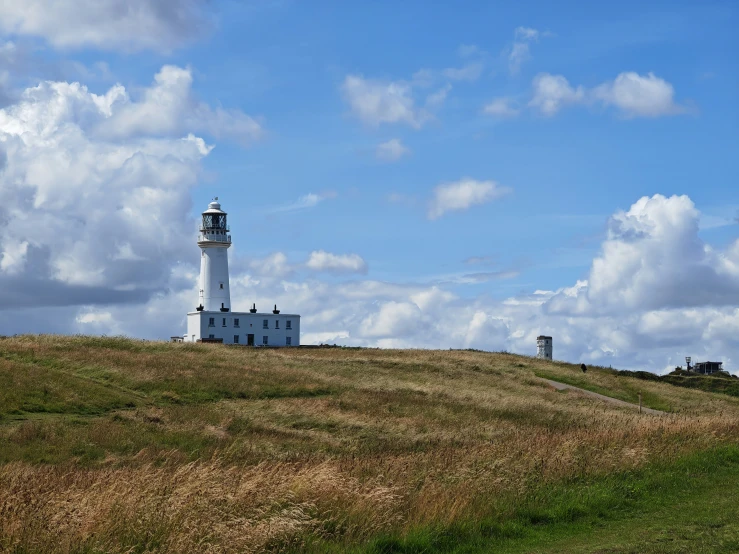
[414,175]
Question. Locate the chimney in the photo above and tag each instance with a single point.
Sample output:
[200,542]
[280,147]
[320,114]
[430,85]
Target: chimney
[275,311]
[253,309]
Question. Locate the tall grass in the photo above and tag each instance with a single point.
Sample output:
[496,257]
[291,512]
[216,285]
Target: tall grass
[157,447]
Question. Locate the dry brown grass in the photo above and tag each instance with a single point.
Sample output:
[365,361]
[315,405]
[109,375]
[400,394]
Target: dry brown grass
[245,450]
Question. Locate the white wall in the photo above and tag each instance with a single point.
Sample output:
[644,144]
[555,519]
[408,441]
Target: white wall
[198,325]
[213,276]
[544,349]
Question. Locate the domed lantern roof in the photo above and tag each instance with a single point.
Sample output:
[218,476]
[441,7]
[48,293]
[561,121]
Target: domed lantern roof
[214,207]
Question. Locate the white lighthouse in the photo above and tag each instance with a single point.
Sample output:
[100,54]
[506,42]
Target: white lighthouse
[213,320]
[214,240]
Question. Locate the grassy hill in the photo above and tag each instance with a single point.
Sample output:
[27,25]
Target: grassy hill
[117,445]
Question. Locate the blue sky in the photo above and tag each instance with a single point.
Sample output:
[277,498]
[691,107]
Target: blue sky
[481,152]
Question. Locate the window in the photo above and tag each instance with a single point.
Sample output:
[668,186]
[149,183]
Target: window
[236,339]
[211,336]
[221,286]
[265,340]
[277,323]
[212,322]
[224,321]
[236,322]
[288,341]
[193,338]
[289,324]
[265,324]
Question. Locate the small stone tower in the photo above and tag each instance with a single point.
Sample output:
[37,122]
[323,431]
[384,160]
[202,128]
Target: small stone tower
[214,240]
[544,347]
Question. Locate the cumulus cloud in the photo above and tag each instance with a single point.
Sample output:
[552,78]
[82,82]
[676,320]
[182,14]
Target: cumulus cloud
[654,259]
[129,25]
[273,265]
[382,101]
[391,151]
[376,102]
[501,107]
[87,218]
[393,320]
[463,194]
[632,94]
[639,95]
[168,108]
[320,260]
[553,92]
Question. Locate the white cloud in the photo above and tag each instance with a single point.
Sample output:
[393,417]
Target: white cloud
[391,151]
[168,108]
[13,257]
[469,72]
[95,317]
[381,101]
[526,33]
[305,202]
[275,265]
[128,25]
[392,320]
[436,99]
[376,102]
[501,107]
[520,50]
[320,260]
[653,259]
[72,201]
[637,95]
[484,276]
[632,94]
[463,194]
[553,92]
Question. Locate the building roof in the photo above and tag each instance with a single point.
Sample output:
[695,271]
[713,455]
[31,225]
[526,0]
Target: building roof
[241,314]
[540,337]
[214,208]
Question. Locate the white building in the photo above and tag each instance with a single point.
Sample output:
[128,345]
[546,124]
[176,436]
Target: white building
[213,319]
[544,347]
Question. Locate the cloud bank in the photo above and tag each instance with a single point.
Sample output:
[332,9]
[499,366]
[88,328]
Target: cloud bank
[129,25]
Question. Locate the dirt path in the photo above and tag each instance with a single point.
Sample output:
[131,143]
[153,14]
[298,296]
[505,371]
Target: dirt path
[562,386]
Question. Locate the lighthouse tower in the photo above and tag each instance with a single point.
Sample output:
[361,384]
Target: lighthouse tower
[213,319]
[214,240]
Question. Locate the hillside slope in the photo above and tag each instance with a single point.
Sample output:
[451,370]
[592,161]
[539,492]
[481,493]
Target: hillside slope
[109,444]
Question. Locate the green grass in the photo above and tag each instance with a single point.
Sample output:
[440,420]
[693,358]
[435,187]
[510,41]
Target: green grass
[33,388]
[719,383]
[684,507]
[120,445]
[627,390]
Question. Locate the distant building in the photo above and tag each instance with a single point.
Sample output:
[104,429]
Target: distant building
[544,347]
[213,320]
[707,368]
